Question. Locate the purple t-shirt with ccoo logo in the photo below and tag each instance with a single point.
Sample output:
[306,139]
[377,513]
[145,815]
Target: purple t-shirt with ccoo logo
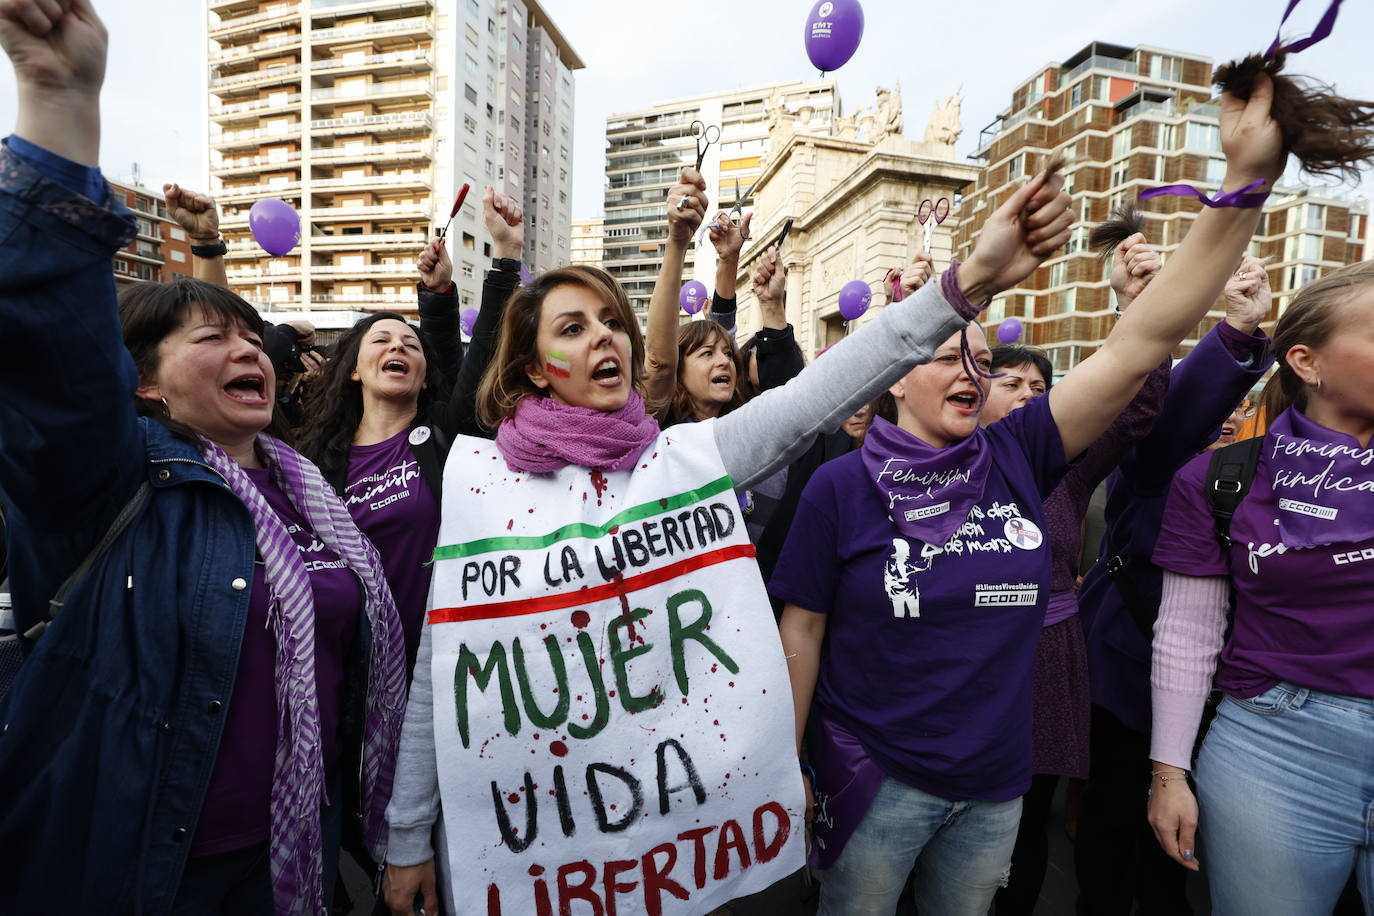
[390,502]
[1302,614]
[237,808]
[931,647]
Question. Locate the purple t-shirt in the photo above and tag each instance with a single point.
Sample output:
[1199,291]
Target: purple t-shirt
[931,651]
[237,808]
[389,500]
[1302,615]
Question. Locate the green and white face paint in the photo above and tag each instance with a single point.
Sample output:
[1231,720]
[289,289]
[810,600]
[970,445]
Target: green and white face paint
[558,364]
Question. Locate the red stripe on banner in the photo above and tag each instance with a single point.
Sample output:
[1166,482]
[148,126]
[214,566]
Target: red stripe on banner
[589,595]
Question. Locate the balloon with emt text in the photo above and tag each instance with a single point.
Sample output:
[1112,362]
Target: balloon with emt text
[467,320]
[854,299]
[833,31]
[275,225]
[1009,330]
[693,296]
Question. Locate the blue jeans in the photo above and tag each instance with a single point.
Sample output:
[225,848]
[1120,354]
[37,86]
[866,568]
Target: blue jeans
[1285,785]
[961,850]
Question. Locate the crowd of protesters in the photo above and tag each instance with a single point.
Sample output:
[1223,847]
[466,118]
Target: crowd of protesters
[219,538]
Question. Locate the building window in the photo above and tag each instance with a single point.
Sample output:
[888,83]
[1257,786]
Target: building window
[1121,143]
[1203,136]
[470,94]
[471,63]
[1216,171]
[491,27]
[467,270]
[1166,68]
[470,124]
[1059,273]
[1316,217]
[1120,171]
[1168,137]
[1076,94]
[474,9]
[1014,169]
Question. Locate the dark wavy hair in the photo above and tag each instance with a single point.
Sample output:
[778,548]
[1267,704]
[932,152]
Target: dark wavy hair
[696,334]
[1332,136]
[334,406]
[1125,221]
[506,382]
[1312,318]
[149,312]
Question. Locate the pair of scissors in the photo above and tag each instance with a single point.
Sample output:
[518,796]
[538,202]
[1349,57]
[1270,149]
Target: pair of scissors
[930,213]
[704,136]
[736,212]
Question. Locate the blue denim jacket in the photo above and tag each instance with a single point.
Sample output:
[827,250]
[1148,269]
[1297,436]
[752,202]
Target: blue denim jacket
[110,733]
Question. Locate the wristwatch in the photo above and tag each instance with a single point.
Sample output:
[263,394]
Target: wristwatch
[215,249]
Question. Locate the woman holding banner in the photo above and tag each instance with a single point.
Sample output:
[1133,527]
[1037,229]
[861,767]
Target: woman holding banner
[923,558]
[585,538]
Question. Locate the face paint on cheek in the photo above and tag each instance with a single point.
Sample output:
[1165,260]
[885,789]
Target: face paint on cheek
[558,364]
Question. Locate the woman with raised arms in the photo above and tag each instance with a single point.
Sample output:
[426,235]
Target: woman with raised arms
[923,557]
[575,456]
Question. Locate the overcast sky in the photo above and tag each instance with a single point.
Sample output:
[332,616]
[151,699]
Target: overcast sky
[639,52]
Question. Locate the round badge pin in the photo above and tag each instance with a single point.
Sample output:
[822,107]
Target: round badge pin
[419,435]
[1023,533]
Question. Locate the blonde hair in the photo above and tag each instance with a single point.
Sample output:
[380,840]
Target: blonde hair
[1311,319]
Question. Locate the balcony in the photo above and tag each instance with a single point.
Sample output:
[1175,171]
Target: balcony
[1098,62]
[373,240]
[238,81]
[227,7]
[255,163]
[327,8]
[414,60]
[378,212]
[363,270]
[398,121]
[228,26]
[254,274]
[257,191]
[364,182]
[370,299]
[255,108]
[394,88]
[233,138]
[420,26]
[414,151]
[240,53]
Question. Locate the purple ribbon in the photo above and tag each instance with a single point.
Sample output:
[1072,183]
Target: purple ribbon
[1241,197]
[1322,31]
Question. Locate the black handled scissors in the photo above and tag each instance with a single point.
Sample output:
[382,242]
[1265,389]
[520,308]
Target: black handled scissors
[928,210]
[705,136]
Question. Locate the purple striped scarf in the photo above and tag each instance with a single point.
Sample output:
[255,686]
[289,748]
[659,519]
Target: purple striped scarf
[298,779]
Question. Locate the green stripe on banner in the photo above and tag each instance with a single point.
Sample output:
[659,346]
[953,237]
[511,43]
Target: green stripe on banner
[582,529]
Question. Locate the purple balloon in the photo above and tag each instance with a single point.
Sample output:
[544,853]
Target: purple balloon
[467,320]
[854,299]
[693,296]
[275,224]
[833,31]
[1009,330]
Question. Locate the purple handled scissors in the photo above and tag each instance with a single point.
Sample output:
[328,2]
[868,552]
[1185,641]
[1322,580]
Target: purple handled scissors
[930,213]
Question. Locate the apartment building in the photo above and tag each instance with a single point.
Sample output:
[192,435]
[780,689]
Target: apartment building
[1127,119]
[647,148]
[161,251]
[588,241]
[367,116]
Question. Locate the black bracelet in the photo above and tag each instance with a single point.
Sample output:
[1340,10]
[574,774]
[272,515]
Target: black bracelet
[215,249]
[511,265]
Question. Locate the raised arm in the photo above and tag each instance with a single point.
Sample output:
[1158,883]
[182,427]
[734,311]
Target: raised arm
[660,341]
[775,344]
[728,238]
[438,306]
[66,381]
[774,428]
[198,214]
[506,225]
[1085,402]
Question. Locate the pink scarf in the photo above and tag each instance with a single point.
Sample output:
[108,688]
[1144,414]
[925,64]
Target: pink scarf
[545,436]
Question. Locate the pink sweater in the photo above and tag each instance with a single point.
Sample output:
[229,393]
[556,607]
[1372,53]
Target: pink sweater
[1188,639]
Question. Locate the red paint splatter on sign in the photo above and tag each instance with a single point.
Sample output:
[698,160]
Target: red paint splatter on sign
[581,619]
[559,749]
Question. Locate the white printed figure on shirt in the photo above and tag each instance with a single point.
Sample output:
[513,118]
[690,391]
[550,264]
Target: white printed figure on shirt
[898,580]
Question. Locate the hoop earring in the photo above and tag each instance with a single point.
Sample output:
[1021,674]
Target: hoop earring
[1317,385]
